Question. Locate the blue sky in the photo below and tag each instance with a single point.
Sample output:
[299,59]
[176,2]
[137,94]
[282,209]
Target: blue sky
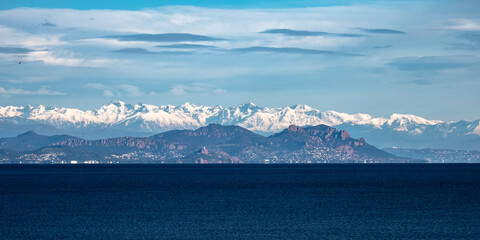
[376,57]
[142,4]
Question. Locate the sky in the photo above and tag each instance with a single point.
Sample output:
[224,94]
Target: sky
[375,57]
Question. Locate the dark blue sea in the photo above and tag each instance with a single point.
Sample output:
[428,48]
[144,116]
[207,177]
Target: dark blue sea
[240,201]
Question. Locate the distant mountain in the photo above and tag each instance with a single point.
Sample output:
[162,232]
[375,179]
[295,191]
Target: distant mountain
[120,119]
[211,144]
[30,141]
[437,155]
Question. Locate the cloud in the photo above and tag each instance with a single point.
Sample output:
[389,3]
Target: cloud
[97,86]
[145,51]
[164,37]
[303,33]
[186,46]
[48,24]
[64,58]
[19,91]
[382,47]
[182,89]
[178,90]
[381,31]
[133,50]
[108,93]
[435,63]
[471,36]
[422,82]
[112,91]
[252,65]
[464,46]
[15,50]
[290,50]
[220,91]
[463,24]
[131,90]
[17,37]
[30,79]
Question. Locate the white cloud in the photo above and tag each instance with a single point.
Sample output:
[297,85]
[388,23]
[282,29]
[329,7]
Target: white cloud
[64,59]
[178,90]
[195,88]
[78,40]
[97,86]
[220,90]
[464,24]
[17,37]
[116,91]
[108,93]
[130,90]
[182,19]
[32,79]
[241,25]
[19,91]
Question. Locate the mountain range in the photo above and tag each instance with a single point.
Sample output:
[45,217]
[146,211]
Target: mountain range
[119,119]
[210,144]
[437,155]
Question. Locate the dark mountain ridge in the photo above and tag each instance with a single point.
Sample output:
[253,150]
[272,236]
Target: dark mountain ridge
[216,144]
[31,140]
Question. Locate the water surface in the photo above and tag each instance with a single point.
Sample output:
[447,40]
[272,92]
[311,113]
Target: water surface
[240,201]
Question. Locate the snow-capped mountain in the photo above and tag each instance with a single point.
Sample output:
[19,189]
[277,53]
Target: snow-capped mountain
[119,118]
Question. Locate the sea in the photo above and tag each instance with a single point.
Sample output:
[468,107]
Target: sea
[324,201]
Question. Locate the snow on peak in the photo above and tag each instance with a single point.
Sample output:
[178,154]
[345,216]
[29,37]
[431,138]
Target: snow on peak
[302,107]
[151,118]
[476,131]
[408,118]
[117,103]
[247,105]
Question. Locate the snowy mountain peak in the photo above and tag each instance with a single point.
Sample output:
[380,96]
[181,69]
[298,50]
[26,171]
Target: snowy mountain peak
[247,105]
[302,107]
[476,130]
[150,118]
[408,118]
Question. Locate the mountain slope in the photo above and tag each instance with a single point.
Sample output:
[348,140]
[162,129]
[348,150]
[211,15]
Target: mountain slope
[438,155]
[215,144]
[31,140]
[122,119]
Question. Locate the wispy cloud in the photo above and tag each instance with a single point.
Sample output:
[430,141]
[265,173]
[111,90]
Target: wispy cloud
[304,33]
[131,90]
[48,24]
[435,63]
[134,51]
[471,36]
[302,53]
[164,37]
[422,82]
[97,86]
[20,91]
[15,50]
[65,59]
[17,37]
[463,24]
[145,51]
[382,47]
[182,89]
[123,90]
[186,46]
[108,93]
[29,79]
[381,31]
[290,50]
